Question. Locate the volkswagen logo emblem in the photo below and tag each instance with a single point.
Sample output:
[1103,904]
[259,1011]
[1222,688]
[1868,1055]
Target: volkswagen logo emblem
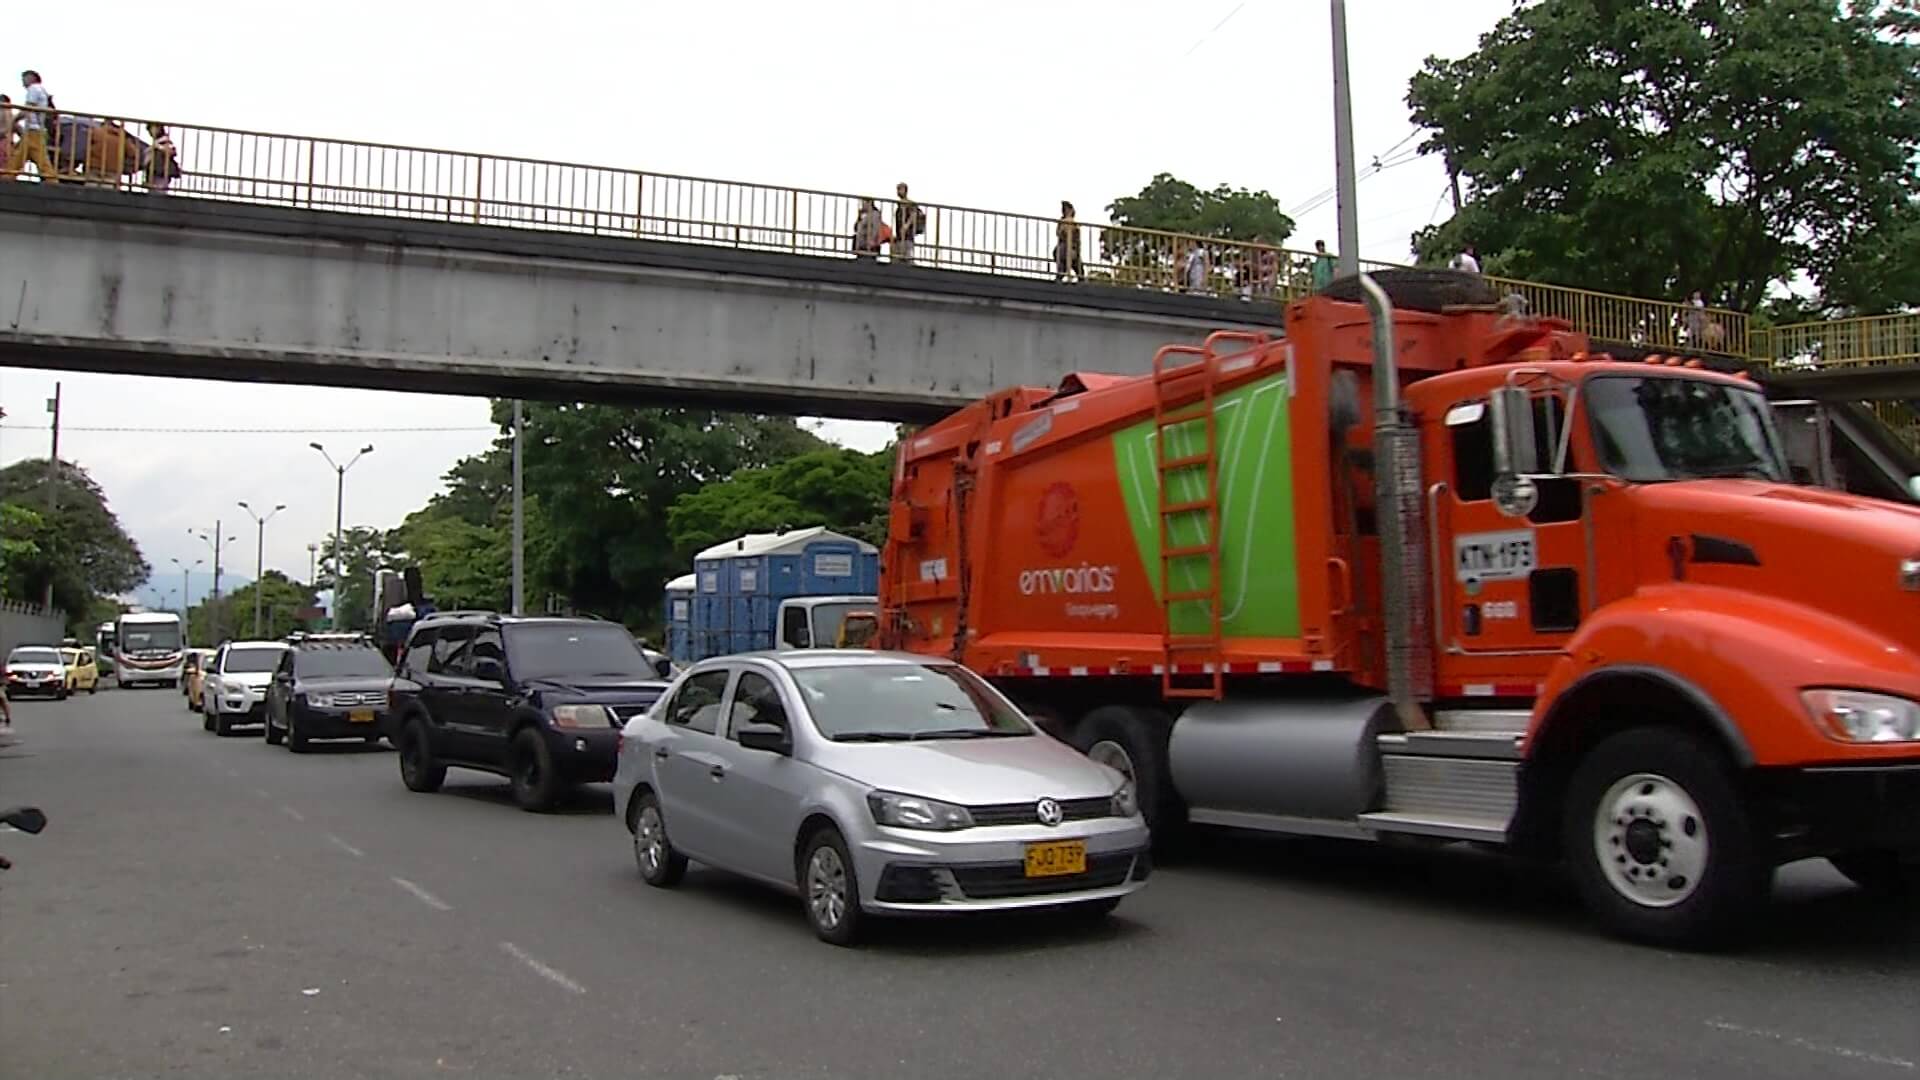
[1049,812]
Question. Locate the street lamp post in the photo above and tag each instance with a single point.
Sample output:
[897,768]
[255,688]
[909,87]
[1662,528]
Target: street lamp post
[339,523]
[259,558]
[186,585]
[216,542]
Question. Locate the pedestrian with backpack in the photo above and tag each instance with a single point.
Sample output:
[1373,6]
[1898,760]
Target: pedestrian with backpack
[909,221]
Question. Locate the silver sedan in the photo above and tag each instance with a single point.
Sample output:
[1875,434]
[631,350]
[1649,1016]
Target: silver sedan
[872,783]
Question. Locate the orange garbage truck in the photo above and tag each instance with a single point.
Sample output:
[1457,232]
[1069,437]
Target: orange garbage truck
[1416,568]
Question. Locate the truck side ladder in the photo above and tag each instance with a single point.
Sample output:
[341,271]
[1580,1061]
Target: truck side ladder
[1183,396]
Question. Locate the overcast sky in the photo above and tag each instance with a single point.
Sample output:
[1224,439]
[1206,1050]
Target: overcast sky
[1005,105]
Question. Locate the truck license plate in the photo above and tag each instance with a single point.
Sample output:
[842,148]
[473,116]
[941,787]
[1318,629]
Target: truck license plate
[1493,556]
[360,716]
[1057,858]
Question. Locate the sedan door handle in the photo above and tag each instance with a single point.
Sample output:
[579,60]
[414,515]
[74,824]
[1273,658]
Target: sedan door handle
[718,772]
[661,753]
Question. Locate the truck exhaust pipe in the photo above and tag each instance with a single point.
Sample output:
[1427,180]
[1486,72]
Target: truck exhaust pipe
[1397,513]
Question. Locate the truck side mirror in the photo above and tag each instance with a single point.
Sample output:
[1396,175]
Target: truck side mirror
[1514,448]
[1515,454]
[1913,487]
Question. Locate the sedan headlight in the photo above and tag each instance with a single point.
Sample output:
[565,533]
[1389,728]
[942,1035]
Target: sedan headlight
[913,812]
[582,716]
[1860,717]
[1124,802]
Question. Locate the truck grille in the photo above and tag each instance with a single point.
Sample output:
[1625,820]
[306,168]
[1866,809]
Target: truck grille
[1028,813]
[1010,879]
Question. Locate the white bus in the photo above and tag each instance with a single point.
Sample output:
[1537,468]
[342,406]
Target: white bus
[148,647]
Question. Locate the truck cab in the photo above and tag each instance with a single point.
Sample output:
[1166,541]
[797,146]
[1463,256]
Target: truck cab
[815,622]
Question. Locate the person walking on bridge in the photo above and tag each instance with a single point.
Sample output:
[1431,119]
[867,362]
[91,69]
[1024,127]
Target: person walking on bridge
[33,133]
[1066,246]
[869,230]
[1322,266]
[909,221]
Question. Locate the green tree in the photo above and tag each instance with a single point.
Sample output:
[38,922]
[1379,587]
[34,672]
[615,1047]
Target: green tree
[606,476]
[364,551]
[18,526]
[845,490]
[1656,147]
[1169,204]
[281,600]
[78,546]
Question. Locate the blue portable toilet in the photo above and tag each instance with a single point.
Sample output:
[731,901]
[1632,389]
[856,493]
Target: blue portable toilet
[739,584]
[678,608]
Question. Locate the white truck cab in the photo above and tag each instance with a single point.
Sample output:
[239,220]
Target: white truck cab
[813,622]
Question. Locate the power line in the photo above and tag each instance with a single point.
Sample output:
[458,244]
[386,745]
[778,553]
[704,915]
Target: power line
[1216,29]
[252,431]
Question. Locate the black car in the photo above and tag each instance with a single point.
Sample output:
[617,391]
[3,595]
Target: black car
[328,687]
[538,700]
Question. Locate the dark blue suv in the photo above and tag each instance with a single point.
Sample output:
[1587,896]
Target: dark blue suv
[538,700]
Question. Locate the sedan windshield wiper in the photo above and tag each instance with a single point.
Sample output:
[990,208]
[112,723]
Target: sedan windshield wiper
[873,736]
[965,733]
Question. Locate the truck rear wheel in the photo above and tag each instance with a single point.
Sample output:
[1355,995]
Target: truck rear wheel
[1132,740]
[1660,843]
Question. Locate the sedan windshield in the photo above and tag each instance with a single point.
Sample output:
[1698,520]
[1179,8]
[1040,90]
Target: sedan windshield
[1667,428]
[34,656]
[250,660]
[876,702]
[575,650]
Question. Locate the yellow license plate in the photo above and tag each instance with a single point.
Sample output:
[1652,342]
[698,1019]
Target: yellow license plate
[1056,859]
[360,716]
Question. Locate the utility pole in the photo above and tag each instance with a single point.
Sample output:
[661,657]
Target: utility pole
[313,553]
[53,480]
[519,524]
[1346,181]
[259,559]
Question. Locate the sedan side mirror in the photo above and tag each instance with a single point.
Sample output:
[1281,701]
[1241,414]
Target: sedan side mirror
[769,737]
[663,667]
[28,819]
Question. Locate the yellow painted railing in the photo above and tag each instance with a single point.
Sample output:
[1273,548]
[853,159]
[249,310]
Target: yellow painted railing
[446,185]
[1868,341]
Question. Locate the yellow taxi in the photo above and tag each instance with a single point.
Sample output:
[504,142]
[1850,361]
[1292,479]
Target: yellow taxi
[82,672]
[193,677]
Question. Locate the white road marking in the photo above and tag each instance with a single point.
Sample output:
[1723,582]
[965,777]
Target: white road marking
[423,895]
[344,846]
[1816,1047]
[541,969]
[292,813]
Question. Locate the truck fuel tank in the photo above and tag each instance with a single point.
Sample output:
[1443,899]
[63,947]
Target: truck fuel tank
[1296,757]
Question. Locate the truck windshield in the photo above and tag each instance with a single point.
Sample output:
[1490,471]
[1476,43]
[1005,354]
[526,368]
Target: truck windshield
[1657,428]
[827,619]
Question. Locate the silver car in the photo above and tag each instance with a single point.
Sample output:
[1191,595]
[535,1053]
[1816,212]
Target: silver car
[872,783]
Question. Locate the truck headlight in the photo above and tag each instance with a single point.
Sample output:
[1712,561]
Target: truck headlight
[913,812]
[1910,574]
[582,716]
[1125,803]
[1860,717]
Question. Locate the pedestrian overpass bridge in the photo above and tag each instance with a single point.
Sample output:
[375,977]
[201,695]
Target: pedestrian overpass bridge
[289,258]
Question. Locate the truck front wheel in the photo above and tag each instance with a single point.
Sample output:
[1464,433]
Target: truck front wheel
[1133,741]
[1660,843]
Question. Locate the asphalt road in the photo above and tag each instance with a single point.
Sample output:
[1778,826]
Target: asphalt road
[213,907]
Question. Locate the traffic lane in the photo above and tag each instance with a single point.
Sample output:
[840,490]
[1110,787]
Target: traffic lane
[1256,950]
[1257,955]
[178,915]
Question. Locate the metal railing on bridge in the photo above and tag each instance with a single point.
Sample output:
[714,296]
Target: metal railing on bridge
[487,189]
